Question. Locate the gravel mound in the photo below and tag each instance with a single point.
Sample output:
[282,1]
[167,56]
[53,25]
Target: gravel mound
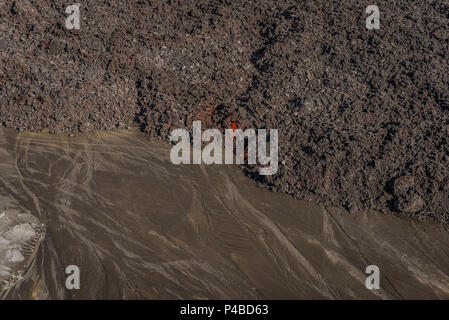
[363,115]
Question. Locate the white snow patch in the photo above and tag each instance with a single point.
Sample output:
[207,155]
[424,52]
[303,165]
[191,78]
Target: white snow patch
[14,255]
[20,233]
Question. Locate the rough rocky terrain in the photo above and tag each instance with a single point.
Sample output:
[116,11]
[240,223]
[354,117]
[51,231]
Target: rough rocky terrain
[363,115]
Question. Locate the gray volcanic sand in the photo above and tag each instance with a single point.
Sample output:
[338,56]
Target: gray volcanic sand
[140,227]
[363,114]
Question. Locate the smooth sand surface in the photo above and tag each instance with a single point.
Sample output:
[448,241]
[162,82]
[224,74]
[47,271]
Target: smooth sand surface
[140,227]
